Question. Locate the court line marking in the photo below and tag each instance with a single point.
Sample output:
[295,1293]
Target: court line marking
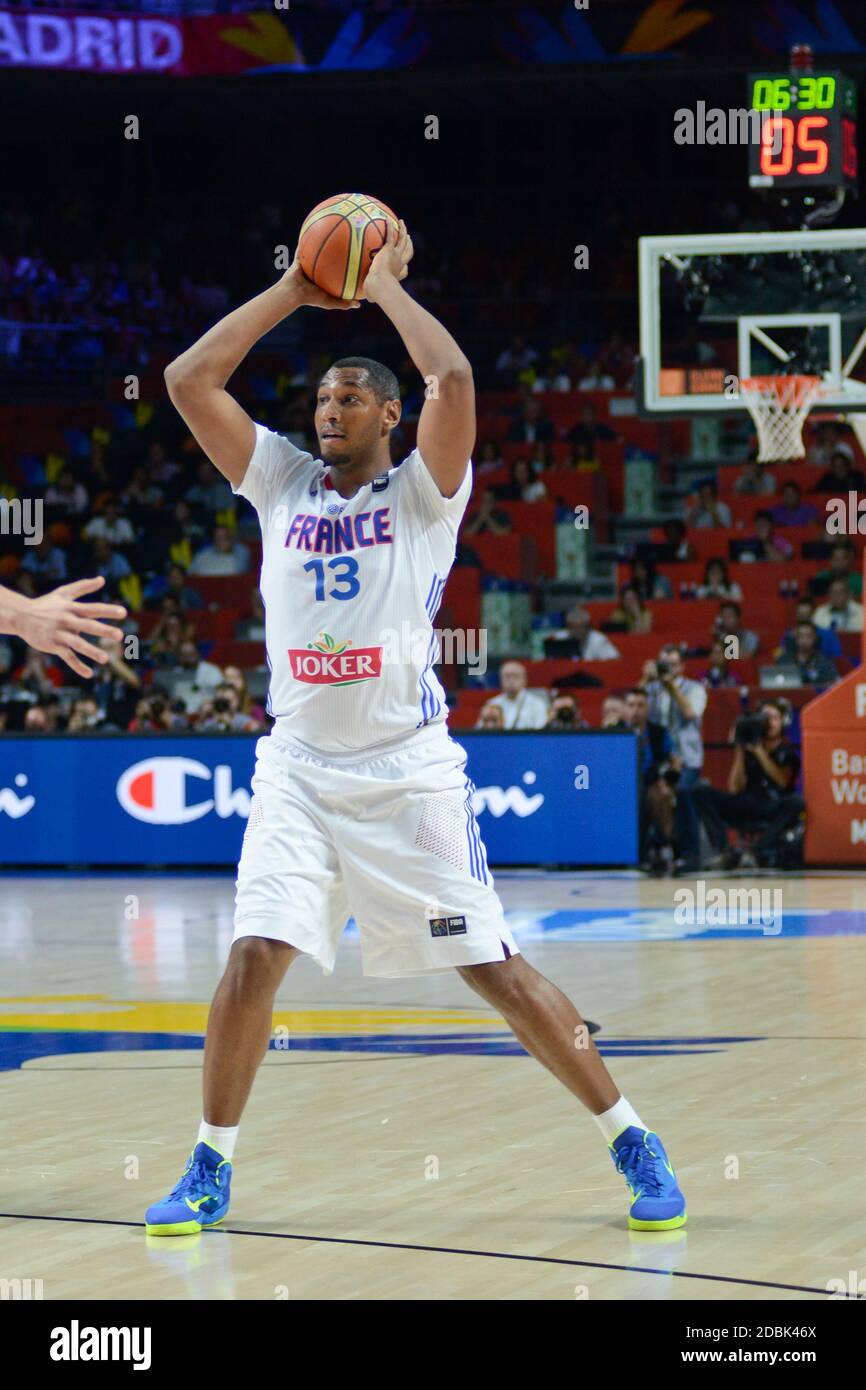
[446,1250]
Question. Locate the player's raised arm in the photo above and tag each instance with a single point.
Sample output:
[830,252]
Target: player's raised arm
[446,429]
[197,379]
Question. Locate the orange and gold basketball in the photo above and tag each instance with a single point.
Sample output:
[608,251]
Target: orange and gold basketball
[338,240]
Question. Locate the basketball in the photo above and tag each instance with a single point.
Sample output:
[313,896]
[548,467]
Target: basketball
[339,239]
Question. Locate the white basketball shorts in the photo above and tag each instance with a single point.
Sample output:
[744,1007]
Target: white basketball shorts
[391,840]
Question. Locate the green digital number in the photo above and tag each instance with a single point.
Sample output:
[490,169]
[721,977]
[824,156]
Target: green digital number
[771,94]
[815,93]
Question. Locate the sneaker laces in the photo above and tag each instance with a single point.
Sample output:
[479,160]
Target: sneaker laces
[639,1163]
[198,1173]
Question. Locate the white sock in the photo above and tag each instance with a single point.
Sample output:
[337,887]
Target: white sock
[613,1121]
[223,1140]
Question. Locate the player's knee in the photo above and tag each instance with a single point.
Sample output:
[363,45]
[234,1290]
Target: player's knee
[501,982]
[256,961]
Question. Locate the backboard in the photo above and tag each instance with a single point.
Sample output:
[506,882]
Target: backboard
[716,309]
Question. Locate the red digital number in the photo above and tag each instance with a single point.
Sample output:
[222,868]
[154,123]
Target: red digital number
[849,148]
[779,162]
[770,163]
[809,145]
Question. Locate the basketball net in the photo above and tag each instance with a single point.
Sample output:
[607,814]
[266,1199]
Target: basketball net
[779,406]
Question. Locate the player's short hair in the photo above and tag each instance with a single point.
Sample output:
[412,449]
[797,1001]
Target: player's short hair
[380,379]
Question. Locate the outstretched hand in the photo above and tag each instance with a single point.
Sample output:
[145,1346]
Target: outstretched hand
[56,622]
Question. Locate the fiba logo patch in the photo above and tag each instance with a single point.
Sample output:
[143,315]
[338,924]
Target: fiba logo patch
[448,926]
[333,509]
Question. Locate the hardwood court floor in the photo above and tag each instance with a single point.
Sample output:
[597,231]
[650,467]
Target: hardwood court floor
[401,1146]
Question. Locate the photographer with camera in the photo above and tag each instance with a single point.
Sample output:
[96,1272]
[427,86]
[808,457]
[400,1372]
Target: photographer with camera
[678,704]
[565,713]
[660,773]
[760,792]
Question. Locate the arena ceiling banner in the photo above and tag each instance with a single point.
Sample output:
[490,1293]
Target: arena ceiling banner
[294,36]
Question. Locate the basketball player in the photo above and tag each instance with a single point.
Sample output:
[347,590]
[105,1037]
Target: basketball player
[56,622]
[361,803]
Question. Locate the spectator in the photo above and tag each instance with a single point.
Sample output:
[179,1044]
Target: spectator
[842,613]
[154,713]
[172,629]
[160,467]
[614,714]
[658,782]
[516,358]
[596,379]
[728,624]
[67,496]
[814,667]
[828,441]
[761,790]
[173,583]
[209,491]
[754,480]
[828,639]
[579,639]
[792,510]
[553,378]
[589,430]
[717,584]
[85,715]
[108,562]
[45,561]
[488,519]
[223,714]
[489,458]
[523,487]
[115,686]
[36,720]
[565,713]
[631,614]
[708,510]
[521,708]
[678,704]
[195,678]
[491,717]
[676,545]
[109,526]
[252,629]
[225,556]
[649,584]
[843,557]
[765,544]
[721,671]
[531,427]
[234,676]
[582,458]
[37,675]
[841,476]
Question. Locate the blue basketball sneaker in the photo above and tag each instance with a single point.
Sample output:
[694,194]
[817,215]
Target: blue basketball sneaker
[656,1201]
[201,1198]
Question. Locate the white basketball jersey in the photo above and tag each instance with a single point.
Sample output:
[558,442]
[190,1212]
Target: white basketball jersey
[351,588]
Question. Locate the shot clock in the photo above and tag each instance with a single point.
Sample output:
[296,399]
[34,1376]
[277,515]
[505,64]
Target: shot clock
[808,128]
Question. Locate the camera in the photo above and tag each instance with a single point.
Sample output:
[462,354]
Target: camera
[663,669]
[563,718]
[751,728]
[668,773]
[221,705]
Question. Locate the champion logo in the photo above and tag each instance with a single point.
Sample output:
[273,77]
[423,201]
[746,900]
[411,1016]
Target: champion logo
[158,791]
[326,662]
